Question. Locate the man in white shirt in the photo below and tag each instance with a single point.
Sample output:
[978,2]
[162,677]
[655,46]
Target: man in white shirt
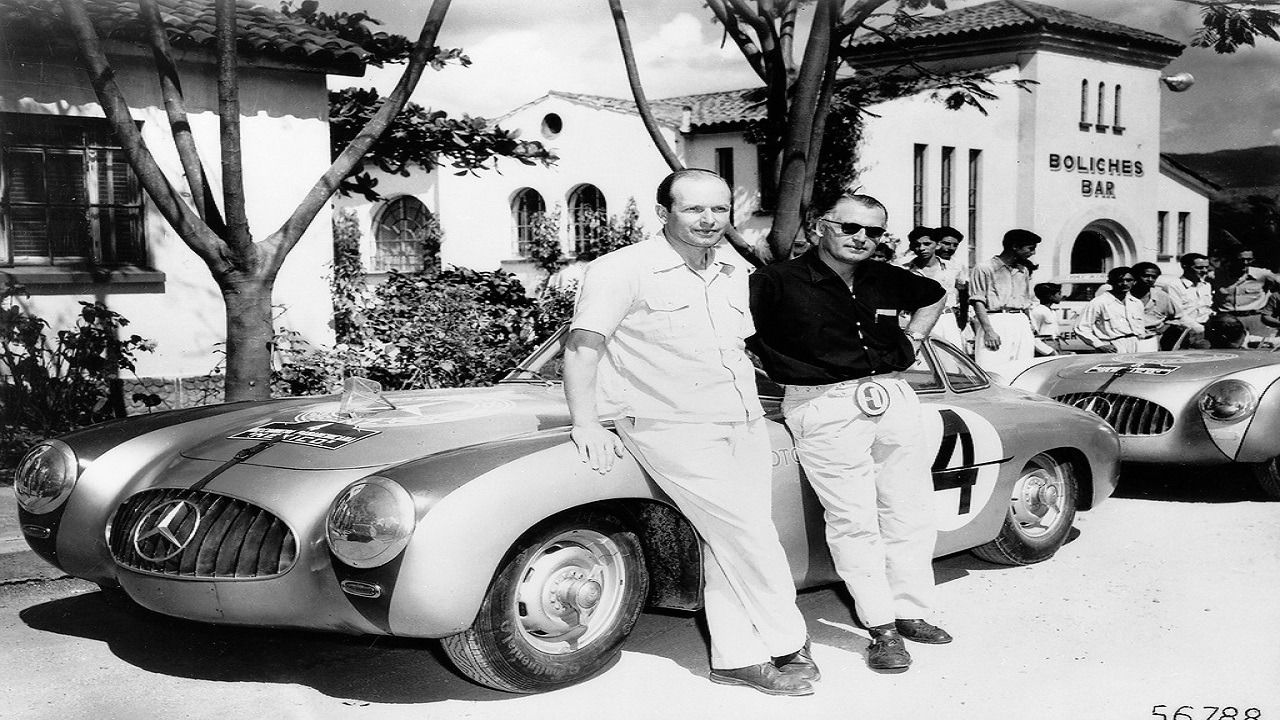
[1194,297]
[925,261]
[659,331]
[1114,321]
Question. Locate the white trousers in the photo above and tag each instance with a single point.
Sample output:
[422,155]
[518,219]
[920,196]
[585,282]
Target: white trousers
[873,476]
[720,476]
[1017,342]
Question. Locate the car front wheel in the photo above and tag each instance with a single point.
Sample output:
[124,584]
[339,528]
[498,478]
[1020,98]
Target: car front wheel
[1268,475]
[558,608]
[1042,507]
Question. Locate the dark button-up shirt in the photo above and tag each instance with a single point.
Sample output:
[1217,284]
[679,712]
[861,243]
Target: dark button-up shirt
[812,329]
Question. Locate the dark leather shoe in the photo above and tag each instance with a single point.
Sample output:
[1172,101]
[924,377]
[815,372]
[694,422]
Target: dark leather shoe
[887,651]
[922,632]
[764,677]
[799,663]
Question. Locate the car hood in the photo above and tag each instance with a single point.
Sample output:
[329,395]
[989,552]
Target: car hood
[1161,368]
[317,436]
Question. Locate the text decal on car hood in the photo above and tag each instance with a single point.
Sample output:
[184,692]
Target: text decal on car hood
[326,435]
[1133,368]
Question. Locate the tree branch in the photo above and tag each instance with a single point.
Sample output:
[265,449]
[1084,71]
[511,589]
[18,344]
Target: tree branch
[167,200]
[637,90]
[283,239]
[175,109]
[750,50]
[856,16]
[238,236]
[797,153]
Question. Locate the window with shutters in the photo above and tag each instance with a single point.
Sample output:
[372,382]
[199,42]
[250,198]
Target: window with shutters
[67,195]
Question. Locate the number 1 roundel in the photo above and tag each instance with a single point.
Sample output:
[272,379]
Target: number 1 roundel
[872,398]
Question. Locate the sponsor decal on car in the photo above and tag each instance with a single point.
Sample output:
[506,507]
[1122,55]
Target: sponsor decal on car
[324,435]
[1133,368]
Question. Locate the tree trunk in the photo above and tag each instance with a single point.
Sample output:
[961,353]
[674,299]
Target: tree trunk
[250,337]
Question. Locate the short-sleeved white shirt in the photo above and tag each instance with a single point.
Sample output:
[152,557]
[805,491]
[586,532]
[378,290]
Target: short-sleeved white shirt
[674,337]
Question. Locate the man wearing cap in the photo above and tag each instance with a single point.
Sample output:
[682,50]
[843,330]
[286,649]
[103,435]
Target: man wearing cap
[659,331]
[1000,294]
[926,261]
[827,328]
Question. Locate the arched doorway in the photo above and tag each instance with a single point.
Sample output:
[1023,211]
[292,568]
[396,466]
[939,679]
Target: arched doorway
[1098,247]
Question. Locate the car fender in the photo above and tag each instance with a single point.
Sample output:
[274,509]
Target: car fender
[449,563]
[1252,439]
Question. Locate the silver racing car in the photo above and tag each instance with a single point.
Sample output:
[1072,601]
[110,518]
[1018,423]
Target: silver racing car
[466,515]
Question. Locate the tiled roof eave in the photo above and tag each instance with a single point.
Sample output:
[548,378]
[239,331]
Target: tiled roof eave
[935,49]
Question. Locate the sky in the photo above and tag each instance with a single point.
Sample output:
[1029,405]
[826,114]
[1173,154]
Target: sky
[520,49]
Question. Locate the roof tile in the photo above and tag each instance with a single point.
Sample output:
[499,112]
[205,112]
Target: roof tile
[263,32]
[1009,15]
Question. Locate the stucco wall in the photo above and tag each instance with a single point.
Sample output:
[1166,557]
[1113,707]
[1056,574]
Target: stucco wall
[285,142]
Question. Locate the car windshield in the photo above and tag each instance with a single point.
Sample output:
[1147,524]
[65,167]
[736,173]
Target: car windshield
[546,364]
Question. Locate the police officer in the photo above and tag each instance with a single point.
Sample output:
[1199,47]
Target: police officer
[827,328]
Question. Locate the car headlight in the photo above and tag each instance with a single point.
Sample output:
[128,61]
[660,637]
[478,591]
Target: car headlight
[1228,400]
[45,477]
[370,522]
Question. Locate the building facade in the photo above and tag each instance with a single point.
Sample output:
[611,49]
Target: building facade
[1074,157]
[76,226]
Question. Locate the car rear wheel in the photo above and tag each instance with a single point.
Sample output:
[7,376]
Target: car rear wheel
[1268,475]
[1042,508]
[559,607]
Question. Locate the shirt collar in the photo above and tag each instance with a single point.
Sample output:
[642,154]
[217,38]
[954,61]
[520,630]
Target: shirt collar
[663,257]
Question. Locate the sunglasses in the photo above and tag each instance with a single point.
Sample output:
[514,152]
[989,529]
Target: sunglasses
[852,228]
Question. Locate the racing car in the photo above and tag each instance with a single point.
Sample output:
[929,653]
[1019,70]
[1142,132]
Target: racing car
[1194,407]
[466,514]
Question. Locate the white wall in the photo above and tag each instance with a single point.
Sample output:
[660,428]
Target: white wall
[285,142]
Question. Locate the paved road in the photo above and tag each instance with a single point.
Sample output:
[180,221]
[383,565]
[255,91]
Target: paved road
[1164,597]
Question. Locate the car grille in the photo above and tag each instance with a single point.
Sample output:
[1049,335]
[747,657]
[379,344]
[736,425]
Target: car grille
[1127,414]
[224,537]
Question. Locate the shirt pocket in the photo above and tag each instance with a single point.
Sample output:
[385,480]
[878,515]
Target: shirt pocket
[671,315]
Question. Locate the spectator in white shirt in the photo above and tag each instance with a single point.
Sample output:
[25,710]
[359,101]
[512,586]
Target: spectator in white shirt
[1194,296]
[1114,321]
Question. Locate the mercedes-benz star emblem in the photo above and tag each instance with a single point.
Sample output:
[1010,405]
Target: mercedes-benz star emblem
[167,524]
[1095,404]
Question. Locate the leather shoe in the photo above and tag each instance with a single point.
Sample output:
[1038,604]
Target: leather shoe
[922,632]
[887,651]
[799,663]
[764,677]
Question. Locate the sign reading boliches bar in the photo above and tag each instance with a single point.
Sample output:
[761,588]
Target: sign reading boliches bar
[1133,368]
[325,435]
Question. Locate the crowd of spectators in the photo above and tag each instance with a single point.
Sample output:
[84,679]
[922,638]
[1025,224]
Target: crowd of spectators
[994,310]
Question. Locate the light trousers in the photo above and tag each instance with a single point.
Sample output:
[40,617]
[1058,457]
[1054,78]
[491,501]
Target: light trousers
[872,474]
[1017,342]
[947,330]
[720,476]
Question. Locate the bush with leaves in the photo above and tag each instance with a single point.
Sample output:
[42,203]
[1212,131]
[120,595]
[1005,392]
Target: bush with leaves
[52,385]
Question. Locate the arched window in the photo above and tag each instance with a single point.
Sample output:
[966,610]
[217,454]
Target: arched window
[587,215]
[1084,102]
[1115,112]
[404,235]
[1091,253]
[1102,102]
[525,206]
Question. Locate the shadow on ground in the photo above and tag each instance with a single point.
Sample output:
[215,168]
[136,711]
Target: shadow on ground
[1175,483]
[364,668]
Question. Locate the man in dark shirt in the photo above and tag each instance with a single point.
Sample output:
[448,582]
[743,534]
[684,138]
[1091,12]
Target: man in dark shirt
[827,328]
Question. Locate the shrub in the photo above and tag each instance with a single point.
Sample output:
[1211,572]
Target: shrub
[51,386]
